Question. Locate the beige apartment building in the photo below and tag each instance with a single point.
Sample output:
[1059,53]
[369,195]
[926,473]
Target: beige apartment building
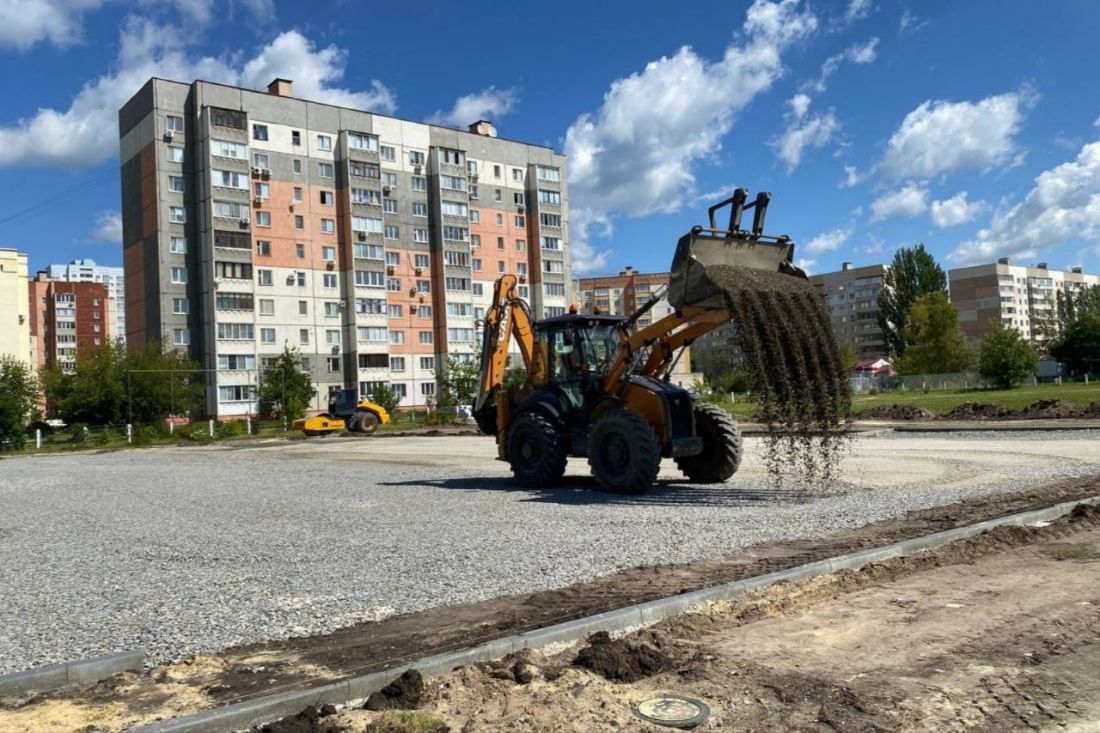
[851,297]
[255,221]
[15,320]
[1025,298]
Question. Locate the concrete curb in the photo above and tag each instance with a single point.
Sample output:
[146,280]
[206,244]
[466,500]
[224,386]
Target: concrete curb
[82,671]
[257,712]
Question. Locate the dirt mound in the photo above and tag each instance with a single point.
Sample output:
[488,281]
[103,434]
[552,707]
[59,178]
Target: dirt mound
[403,721]
[977,411]
[622,660]
[309,720]
[401,694]
[897,412]
[1093,410]
[1051,409]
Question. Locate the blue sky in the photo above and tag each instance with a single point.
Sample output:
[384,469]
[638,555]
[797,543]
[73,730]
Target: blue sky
[972,127]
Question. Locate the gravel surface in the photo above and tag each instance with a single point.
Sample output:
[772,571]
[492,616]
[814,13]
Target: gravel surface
[184,550]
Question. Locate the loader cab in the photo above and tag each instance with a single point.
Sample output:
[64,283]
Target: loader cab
[578,349]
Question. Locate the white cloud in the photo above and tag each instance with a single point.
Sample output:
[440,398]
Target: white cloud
[584,226]
[806,264]
[24,23]
[955,210]
[87,132]
[263,10]
[858,53]
[802,131]
[910,22]
[852,177]
[488,104]
[939,136]
[1064,204]
[828,241]
[108,227]
[636,154]
[909,201]
[857,10]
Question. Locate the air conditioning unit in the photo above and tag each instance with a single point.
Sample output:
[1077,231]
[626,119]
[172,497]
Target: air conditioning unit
[245,221]
[265,172]
[330,265]
[343,305]
[473,195]
[418,168]
[473,177]
[361,236]
[520,208]
[336,348]
[523,278]
[386,190]
[419,270]
[256,172]
[169,134]
[412,292]
[290,279]
[390,269]
[257,201]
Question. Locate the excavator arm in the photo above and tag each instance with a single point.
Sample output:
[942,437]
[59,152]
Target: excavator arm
[506,318]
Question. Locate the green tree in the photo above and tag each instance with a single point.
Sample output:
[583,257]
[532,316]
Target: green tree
[1005,357]
[286,390]
[18,399]
[1079,347]
[382,394]
[913,274]
[936,344]
[458,381]
[112,386]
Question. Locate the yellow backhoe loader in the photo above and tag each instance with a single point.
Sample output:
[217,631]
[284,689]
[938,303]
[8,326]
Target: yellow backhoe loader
[345,412]
[598,387]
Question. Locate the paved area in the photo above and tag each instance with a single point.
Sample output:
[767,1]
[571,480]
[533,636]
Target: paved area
[193,549]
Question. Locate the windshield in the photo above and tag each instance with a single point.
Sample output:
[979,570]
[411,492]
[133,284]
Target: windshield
[601,344]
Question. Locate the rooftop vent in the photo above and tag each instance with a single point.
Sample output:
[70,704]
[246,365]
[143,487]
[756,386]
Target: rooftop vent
[1002,261]
[483,127]
[1076,270]
[280,87]
[846,266]
[1042,265]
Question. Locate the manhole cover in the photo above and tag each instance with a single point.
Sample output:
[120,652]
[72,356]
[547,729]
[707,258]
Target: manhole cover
[672,711]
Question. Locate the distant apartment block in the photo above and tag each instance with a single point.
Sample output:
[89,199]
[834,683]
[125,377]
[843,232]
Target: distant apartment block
[256,221]
[87,271]
[851,298]
[624,293]
[1025,298]
[65,317]
[15,322]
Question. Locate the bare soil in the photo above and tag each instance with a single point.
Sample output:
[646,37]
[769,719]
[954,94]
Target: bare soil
[256,670]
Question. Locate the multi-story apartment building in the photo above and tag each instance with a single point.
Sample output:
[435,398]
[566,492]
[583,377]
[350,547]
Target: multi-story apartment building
[851,297]
[255,221]
[622,294]
[87,271]
[67,316]
[1025,298]
[15,326]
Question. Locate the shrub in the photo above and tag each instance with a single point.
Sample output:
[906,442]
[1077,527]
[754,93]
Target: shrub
[1005,357]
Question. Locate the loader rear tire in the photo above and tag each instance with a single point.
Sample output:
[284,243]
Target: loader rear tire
[364,422]
[536,450]
[722,447]
[624,453]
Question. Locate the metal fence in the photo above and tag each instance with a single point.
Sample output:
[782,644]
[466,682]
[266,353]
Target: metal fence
[864,384]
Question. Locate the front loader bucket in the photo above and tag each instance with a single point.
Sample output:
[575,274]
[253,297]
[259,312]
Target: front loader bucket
[690,285]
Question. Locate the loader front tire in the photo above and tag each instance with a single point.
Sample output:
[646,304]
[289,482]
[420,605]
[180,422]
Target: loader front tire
[536,450]
[722,447]
[624,453]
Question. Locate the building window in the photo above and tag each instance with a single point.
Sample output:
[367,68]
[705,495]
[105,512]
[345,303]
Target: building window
[517,175]
[236,332]
[175,153]
[261,160]
[369,279]
[324,142]
[521,245]
[394,310]
[397,338]
[388,153]
[300,250]
[303,336]
[328,226]
[424,312]
[180,306]
[521,268]
[479,289]
[176,215]
[263,218]
[366,224]
[457,283]
[393,231]
[230,209]
[261,190]
[418,183]
[233,270]
[550,220]
[475,240]
[228,149]
[296,166]
[265,277]
[325,169]
[420,236]
[547,174]
[263,248]
[333,364]
[520,222]
[297,194]
[420,261]
[427,362]
[551,243]
[393,284]
[389,206]
[366,196]
[267,307]
[181,336]
[374,252]
[175,183]
[389,180]
[229,179]
[496,171]
[299,222]
[424,286]
[332,309]
[177,246]
[259,132]
[425,337]
[328,281]
[500,242]
[419,209]
[500,220]
[549,197]
[454,208]
[427,389]
[174,123]
[328,254]
[267,335]
[233,302]
[475,216]
[179,275]
[359,141]
[327,198]
[476,265]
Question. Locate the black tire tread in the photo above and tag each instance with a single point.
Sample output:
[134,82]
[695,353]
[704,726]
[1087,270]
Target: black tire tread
[641,476]
[718,461]
[552,467]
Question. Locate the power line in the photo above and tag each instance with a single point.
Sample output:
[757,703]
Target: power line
[79,188]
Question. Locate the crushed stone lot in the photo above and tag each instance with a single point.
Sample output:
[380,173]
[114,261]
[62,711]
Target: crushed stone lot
[187,550]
